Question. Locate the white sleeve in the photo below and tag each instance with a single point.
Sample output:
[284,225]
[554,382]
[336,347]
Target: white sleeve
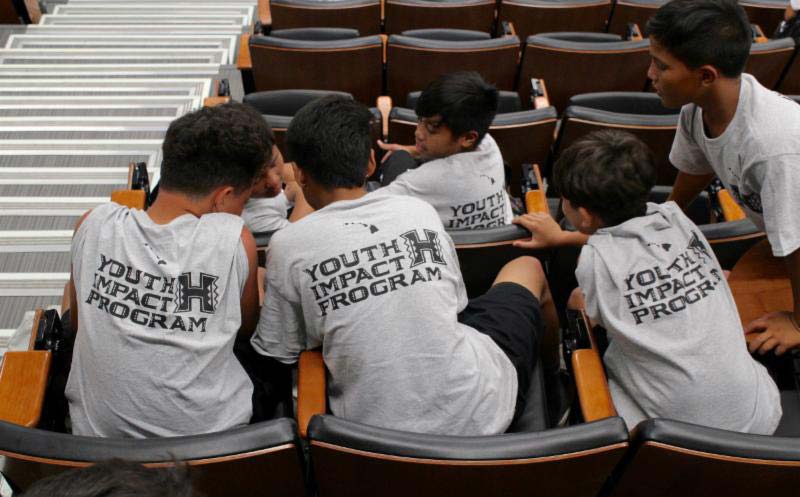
[780,199]
[281,330]
[686,155]
[399,186]
[266,214]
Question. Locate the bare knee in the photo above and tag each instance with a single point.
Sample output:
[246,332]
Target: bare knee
[576,300]
[526,271]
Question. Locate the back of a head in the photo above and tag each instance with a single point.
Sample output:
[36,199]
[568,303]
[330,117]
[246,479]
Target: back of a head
[607,172]
[700,32]
[227,145]
[464,100]
[115,478]
[329,139]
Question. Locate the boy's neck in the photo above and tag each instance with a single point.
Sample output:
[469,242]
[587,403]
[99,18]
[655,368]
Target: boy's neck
[719,105]
[171,205]
[325,197]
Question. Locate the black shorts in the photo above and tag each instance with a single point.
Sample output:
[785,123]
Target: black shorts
[510,315]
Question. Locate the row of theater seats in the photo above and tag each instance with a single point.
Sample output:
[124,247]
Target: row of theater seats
[529,16]
[81,96]
[321,454]
[569,62]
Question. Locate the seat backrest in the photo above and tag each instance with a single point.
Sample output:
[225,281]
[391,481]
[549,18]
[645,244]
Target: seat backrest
[359,460]
[532,17]
[259,459]
[572,67]
[412,63]
[286,102]
[315,34]
[635,112]
[507,101]
[523,136]
[635,11]
[790,84]
[768,60]
[363,15]
[8,14]
[670,458]
[402,15]
[766,13]
[352,65]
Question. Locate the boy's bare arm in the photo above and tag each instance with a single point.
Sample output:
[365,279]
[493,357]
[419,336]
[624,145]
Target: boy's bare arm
[547,233]
[779,330]
[301,209]
[249,300]
[687,187]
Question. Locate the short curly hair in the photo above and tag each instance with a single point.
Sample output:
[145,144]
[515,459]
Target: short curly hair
[227,145]
[607,172]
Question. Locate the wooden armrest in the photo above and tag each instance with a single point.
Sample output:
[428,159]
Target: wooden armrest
[243,61]
[591,385]
[23,381]
[539,98]
[34,11]
[385,43]
[758,34]
[383,13]
[264,13]
[214,101]
[634,33]
[535,200]
[311,389]
[135,199]
[730,209]
[384,105]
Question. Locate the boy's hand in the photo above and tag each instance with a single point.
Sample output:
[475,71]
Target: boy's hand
[775,330]
[391,147]
[290,190]
[546,231]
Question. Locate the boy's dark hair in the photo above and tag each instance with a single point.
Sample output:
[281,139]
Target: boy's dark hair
[329,139]
[228,145]
[464,100]
[607,172]
[115,478]
[698,32]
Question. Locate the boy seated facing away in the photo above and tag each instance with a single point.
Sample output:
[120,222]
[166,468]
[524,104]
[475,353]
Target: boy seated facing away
[462,174]
[374,279]
[161,295]
[649,277]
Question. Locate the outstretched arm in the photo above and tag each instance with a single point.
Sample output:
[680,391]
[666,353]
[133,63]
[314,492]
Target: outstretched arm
[547,233]
[687,187]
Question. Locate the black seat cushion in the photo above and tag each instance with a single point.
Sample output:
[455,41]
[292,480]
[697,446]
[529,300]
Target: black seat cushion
[624,102]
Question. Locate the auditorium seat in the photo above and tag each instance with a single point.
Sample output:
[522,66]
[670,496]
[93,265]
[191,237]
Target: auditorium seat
[9,14]
[414,60]
[402,15]
[524,136]
[791,81]
[635,112]
[363,15]
[574,63]
[262,459]
[326,59]
[670,458]
[632,11]
[769,59]
[532,17]
[766,13]
[279,106]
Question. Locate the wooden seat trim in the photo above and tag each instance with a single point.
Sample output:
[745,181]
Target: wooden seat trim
[451,50]
[158,464]
[720,457]
[320,50]
[311,389]
[592,387]
[569,50]
[559,6]
[490,462]
[331,7]
[621,126]
[737,238]
[215,101]
[264,12]
[23,383]
[417,6]
[244,61]
[134,199]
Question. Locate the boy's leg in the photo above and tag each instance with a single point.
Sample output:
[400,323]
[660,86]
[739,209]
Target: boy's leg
[399,162]
[528,272]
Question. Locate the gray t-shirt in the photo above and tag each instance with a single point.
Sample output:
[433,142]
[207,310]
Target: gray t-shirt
[757,158]
[376,282]
[159,309]
[466,189]
[677,347]
[267,214]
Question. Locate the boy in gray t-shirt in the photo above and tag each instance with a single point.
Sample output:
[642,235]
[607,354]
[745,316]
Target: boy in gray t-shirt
[732,127]
[374,280]
[676,347]
[461,172]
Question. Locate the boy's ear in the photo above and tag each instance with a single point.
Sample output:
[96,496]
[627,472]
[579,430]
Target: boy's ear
[590,222]
[219,197]
[299,175]
[708,74]
[372,164]
[468,140]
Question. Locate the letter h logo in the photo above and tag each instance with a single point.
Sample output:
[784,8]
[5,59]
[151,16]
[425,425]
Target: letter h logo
[207,293]
[417,247]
